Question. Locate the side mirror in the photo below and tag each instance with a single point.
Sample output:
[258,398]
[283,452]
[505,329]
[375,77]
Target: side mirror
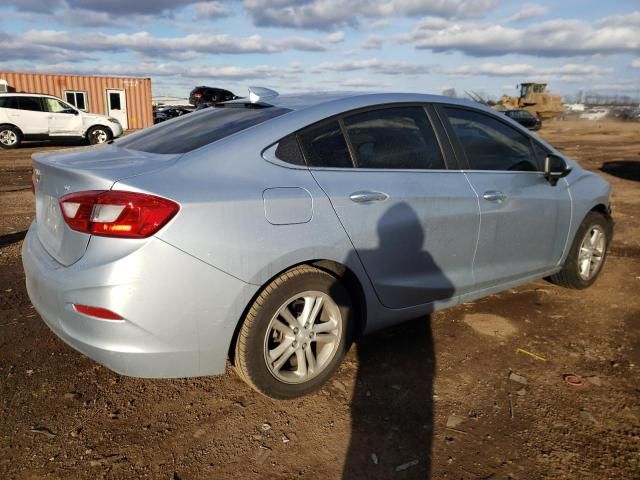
[555,168]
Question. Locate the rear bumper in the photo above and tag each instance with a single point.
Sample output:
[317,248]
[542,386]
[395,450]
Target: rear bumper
[180,313]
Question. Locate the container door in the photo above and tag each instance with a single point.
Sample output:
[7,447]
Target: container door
[117,106]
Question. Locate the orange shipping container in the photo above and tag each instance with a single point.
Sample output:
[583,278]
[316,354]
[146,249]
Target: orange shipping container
[126,98]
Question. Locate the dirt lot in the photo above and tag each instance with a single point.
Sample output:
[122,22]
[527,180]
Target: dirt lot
[433,395]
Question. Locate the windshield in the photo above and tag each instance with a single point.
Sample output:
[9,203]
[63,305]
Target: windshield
[198,129]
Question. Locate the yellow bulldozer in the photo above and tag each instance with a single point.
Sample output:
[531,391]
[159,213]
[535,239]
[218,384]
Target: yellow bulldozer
[534,98]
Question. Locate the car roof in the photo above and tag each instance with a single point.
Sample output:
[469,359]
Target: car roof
[303,101]
[25,94]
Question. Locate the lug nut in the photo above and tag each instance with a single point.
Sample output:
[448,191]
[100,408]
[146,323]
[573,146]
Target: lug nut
[294,344]
[304,345]
[296,330]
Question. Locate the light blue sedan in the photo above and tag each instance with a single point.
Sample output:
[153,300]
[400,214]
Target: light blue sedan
[274,230]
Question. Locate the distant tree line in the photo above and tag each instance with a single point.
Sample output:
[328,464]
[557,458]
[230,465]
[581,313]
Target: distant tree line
[595,98]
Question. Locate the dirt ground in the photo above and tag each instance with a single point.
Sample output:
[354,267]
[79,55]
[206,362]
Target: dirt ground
[454,396]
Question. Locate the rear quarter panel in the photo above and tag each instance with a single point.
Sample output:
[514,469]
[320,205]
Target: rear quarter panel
[222,220]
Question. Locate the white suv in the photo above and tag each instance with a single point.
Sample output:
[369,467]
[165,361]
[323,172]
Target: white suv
[31,116]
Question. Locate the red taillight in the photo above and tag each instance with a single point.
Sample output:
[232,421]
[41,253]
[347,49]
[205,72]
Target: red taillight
[97,312]
[197,94]
[117,214]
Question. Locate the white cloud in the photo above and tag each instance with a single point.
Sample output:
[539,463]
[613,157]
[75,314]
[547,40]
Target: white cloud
[362,83]
[554,38]
[335,37]
[518,69]
[150,45]
[211,10]
[328,14]
[636,63]
[629,20]
[224,72]
[374,65]
[528,12]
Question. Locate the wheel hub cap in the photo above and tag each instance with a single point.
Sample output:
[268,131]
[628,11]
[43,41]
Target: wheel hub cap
[591,253]
[8,137]
[303,337]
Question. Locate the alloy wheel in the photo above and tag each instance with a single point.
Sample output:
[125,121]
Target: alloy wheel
[8,138]
[100,136]
[303,337]
[591,252]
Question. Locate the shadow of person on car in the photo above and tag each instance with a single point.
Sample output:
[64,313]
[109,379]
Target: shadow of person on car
[392,406]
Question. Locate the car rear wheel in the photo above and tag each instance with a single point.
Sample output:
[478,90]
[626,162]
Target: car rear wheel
[97,135]
[10,137]
[588,253]
[295,334]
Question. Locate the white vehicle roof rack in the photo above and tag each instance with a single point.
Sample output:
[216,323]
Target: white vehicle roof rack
[256,94]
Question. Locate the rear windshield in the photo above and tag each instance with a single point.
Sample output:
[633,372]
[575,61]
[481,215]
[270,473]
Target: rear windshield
[195,130]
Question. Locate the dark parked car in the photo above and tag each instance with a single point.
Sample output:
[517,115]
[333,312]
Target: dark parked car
[524,118]
[167,113]
[209,95]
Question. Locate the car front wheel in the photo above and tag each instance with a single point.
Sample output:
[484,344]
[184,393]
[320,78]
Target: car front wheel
[97,135]
[588,253]
[295,334]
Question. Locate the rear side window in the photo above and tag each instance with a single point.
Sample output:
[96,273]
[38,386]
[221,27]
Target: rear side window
[288,150]
[399,137]
[490,144]
[8,102]
[325,146]
[198,129]
[30,103]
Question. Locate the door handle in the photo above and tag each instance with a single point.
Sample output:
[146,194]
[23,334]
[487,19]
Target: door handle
[366,197]
[494,196]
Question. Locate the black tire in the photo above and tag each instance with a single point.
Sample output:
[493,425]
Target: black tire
[99,134]
[10,137]
[569,276]
[252,341]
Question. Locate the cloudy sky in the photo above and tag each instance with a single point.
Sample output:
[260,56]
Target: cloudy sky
[389,45]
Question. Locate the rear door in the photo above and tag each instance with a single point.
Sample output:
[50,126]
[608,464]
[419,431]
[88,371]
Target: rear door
[32,117]
[524,219]
[413,222]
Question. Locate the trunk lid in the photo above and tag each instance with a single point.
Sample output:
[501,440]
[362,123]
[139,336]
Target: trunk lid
[81,169]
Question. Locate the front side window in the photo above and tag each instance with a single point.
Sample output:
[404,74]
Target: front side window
[198,129]
[56,106]
[30,103]
[325,146]
[77,99]
[394,138]
[490,144]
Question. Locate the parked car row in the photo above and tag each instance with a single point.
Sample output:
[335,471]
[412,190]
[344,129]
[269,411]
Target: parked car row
[276,229]
[167,113]
[524,118]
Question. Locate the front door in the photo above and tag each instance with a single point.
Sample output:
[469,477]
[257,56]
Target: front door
[64,120]
[117,106]
[524,219]
[413,223]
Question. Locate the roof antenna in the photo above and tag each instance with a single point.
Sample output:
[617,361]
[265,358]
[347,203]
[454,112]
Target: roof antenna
[257,94]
